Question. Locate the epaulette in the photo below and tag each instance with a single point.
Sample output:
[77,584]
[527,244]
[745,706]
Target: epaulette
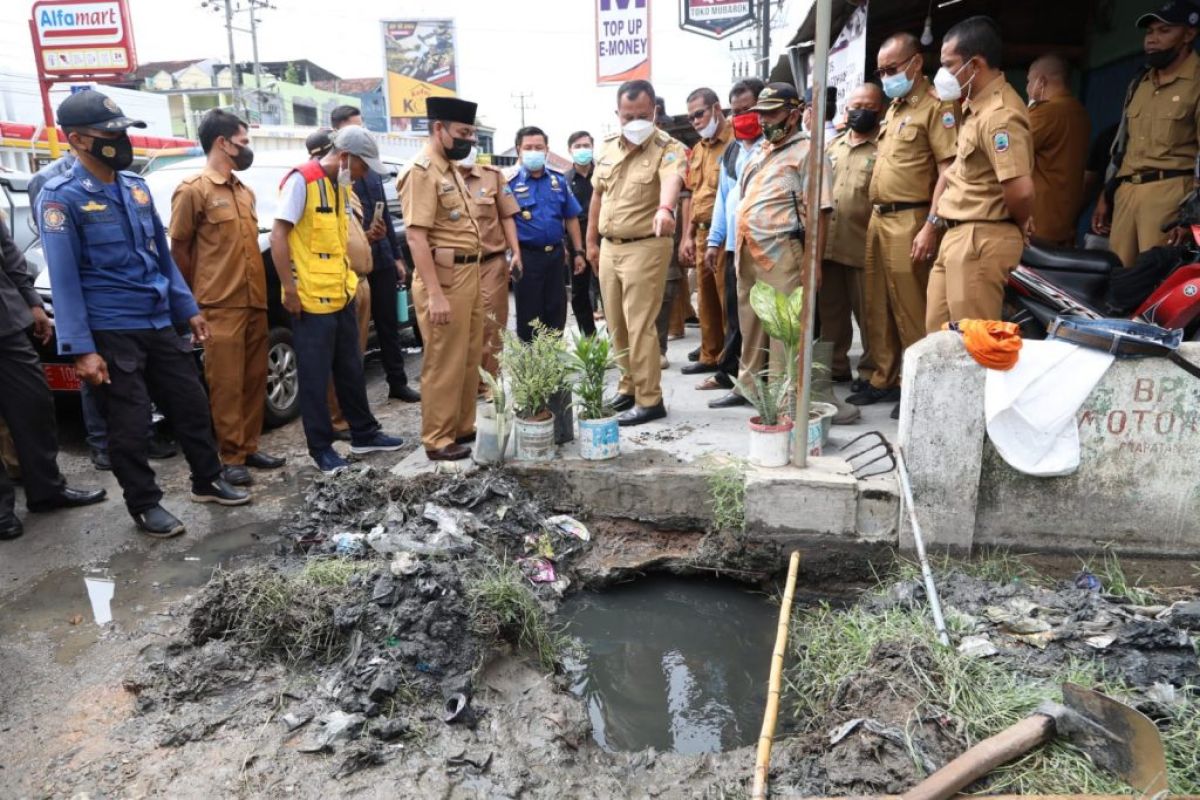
[612,136]
[663,138]
[423,161]
[58,180]
[191,178]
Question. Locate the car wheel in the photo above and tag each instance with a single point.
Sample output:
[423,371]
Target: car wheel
[283,380]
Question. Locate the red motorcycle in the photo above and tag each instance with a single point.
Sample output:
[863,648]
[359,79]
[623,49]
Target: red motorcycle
[1162,289]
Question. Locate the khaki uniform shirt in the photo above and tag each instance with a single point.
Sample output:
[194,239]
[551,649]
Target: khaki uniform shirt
[704,165]
[493,202]
[774,190]
[628,180]
[1164,122]
[919,131]
[217,219]
[1061,131]
[994,146]
[434,196]
[852,165]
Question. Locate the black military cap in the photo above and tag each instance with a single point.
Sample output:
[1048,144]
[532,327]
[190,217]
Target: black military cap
[451,109]
[90,109]
[1176,12]
[776,96]
[319,142]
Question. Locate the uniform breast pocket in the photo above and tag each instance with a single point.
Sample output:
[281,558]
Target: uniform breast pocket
[324,238]
[105,243]
[218,215]
[641,181]
[485,204]
[1171,126]
[907,134]
[450,202]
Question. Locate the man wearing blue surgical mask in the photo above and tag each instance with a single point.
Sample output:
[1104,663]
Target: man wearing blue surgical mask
[547,208]
[585,286]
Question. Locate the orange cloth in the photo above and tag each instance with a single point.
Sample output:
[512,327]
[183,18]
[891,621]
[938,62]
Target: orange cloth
[992,344]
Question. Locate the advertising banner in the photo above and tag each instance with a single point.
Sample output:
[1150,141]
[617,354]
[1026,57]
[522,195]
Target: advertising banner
[716,18]
[419,62]
[83,37]
[848,58]
[622,40]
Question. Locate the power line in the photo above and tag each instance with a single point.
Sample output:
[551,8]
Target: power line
[522,100]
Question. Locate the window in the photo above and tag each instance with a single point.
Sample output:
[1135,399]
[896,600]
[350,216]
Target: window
[303,115]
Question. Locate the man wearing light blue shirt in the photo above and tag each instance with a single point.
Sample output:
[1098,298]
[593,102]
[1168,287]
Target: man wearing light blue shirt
[748,133]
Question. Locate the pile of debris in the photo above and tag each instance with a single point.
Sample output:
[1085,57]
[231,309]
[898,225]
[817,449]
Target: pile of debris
[382,611]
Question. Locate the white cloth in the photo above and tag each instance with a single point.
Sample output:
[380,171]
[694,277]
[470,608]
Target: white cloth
[1031,409]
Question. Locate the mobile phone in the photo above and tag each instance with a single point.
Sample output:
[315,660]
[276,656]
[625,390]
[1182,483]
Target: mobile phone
[379,207]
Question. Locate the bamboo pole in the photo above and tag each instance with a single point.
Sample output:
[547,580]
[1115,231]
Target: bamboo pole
[762,763]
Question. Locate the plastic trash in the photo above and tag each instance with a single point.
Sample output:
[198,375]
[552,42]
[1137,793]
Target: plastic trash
[570,526]
[538,570]
[1086,580]
[350,544]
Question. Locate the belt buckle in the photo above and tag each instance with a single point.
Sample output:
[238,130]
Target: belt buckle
[548,248]
[1136,178]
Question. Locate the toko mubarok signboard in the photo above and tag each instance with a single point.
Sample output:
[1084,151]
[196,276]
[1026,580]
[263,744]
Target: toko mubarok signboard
[716,18]
[622,40]
[83,37]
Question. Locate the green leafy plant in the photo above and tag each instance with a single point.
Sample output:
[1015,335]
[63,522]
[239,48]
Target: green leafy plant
[769,394]
[780,317]
[727,495]
[536,370]
[590,358]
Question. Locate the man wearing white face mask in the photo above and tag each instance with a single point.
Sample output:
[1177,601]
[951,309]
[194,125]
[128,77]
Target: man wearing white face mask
[631,223]
[585,287]
[984,200]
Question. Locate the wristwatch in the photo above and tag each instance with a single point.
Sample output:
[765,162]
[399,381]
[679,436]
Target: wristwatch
[935,221]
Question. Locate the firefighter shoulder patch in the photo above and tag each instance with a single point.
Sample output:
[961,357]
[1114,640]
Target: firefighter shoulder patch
[54,217]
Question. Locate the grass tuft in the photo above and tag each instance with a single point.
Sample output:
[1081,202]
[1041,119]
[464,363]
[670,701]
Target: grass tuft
[331,570]
[502,605]
[1116,583]
[727,495]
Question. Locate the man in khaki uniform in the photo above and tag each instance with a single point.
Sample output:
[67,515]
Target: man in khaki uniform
[214,241]
[916,143]
[494,208]
[852,155]
[774,198]
[985,198]
[637,180]
[1061,132]
[704,166]
[445,243]
[1162,127]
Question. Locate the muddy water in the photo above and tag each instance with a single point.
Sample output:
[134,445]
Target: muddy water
[674,664]
[73,607]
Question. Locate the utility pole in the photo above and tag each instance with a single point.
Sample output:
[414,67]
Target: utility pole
[765,33]
[522,100]
[235,78]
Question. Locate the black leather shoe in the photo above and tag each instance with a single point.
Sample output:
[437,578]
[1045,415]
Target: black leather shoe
[237,475]
[859,385]
[692,322]
[219,491]
[69,498]
[694,355]
[621,402]
[640,415]
[451,452]
[730,400]
[870,396]
[261,460]
[896,412]
[341,436]
[468,439]
[159,523]
[699,368]
[160,449]
[840,378]
[11,527]
[405,394]
[100,460]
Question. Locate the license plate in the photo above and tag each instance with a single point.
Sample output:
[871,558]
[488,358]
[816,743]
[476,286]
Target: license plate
[61,377]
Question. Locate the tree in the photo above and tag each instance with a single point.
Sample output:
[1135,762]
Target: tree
[292,73]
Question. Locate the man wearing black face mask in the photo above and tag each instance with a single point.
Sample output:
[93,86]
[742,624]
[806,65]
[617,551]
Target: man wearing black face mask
[117,299]
[1159,141]
[214,240]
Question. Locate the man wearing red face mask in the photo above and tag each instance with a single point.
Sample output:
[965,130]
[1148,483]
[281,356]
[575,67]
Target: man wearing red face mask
[747,131]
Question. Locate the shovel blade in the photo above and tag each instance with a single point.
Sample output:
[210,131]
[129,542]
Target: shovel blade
[1133,750]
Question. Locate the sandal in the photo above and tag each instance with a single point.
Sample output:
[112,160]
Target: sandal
[714,382]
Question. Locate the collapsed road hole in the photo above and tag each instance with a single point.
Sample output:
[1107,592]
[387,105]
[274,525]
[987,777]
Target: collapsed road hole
[673,663]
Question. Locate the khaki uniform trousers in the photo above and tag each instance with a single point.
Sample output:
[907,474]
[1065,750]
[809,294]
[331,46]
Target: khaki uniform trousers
[842,295]
[362,312]
[633,276]
[493,286]
[895,290]
[1140,212]
[971,270]
[235,366]
[450,371]
[711,296]
[784,276]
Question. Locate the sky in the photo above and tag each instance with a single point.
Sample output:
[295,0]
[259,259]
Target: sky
[539,47]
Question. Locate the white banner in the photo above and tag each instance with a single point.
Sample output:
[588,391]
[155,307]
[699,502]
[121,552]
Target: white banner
[848,58]
[622,40]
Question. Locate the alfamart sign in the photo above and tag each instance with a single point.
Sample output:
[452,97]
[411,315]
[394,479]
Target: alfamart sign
[83,37]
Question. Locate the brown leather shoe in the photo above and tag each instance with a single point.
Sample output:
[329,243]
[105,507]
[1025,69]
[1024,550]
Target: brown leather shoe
[451,452]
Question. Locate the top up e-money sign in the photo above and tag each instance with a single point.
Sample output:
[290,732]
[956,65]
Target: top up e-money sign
[83,37]
[622,40]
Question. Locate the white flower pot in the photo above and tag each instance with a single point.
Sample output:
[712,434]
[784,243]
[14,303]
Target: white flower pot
[770,445]
[820,419]
[492,435]
[535,439]
[599,439]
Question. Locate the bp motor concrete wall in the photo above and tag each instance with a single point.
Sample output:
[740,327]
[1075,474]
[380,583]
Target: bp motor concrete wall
[1137,487]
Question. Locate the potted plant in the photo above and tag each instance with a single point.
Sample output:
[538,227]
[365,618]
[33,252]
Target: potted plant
[780,317]
[494,422]
[771,429]
[599,434]
[535,371]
